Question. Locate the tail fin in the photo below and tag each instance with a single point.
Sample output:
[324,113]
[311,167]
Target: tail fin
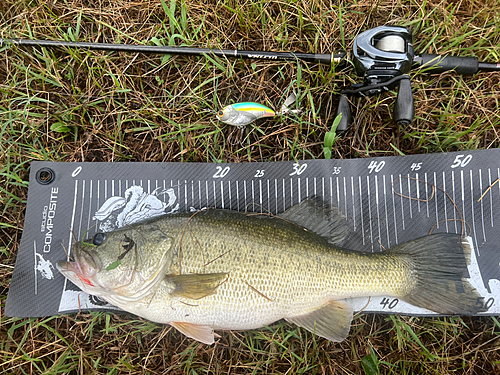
[438,262]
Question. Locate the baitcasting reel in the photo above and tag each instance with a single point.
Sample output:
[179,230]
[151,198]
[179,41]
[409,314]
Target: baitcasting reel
[382,56]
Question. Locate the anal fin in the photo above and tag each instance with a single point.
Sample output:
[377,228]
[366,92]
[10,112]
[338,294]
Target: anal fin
[202,333]
[331,321]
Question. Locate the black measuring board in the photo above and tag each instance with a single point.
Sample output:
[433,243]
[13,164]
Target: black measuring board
[387,200]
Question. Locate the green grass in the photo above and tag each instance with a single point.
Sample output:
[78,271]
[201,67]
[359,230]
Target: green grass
[75,105]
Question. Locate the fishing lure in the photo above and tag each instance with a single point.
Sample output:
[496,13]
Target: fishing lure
[242,114]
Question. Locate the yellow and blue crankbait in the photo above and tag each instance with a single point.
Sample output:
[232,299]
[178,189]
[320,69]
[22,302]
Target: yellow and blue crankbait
[242,114]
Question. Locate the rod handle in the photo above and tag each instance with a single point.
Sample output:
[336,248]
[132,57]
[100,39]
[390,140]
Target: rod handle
[439,64]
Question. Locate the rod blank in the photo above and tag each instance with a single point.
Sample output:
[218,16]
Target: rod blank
[189,51]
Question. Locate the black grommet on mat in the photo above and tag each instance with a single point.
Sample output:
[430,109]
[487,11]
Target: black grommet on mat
[45,176]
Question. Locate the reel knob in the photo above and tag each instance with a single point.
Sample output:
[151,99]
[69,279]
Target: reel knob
[404,109]
[344,109]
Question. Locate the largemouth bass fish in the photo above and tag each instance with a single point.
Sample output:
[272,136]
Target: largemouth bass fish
[224,270]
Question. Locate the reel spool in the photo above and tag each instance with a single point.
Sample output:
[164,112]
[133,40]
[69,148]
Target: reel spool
[382,56]
[391,43]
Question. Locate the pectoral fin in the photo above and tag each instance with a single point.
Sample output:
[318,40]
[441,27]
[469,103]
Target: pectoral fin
[204,334]
[331,321]
[196,285]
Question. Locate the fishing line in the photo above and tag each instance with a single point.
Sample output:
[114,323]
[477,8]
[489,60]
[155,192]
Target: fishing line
[487,190]
[182,237]
[432,196]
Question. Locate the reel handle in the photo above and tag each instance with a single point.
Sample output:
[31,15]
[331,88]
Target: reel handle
[404,109]
[344,109]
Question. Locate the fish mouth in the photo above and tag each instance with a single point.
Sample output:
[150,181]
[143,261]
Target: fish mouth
[81,270]
[65,267]
[73,272]
[74,266]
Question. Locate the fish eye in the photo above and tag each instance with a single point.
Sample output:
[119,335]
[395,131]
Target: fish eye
[98,239]
[220,113]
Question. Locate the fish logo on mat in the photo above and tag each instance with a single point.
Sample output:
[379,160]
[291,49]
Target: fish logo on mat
[136,205]
[43,266]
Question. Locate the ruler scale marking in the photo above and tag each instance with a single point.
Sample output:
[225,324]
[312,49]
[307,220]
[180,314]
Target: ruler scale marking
[436,200]
[455,201]
[284,196]
[338,194]
[353,205]
[81,211]
[245,194]
[445,199]
[409,196]
[417,186]
[90,205]
[261,204]
[378,211]
[345,199]
[276,195]
[331,192]
[298,190]
[268,198]
[490,196]
[386,216]
[472,210]
[402,202]
[427,194]
[361,209]
[462,186]
[482,206]
[394,210]
[323,189]
[369,208]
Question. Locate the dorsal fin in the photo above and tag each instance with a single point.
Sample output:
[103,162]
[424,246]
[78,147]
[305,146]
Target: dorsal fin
[319,217]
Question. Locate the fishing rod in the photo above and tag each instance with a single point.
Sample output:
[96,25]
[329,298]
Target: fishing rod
[381,56]
[329,58]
